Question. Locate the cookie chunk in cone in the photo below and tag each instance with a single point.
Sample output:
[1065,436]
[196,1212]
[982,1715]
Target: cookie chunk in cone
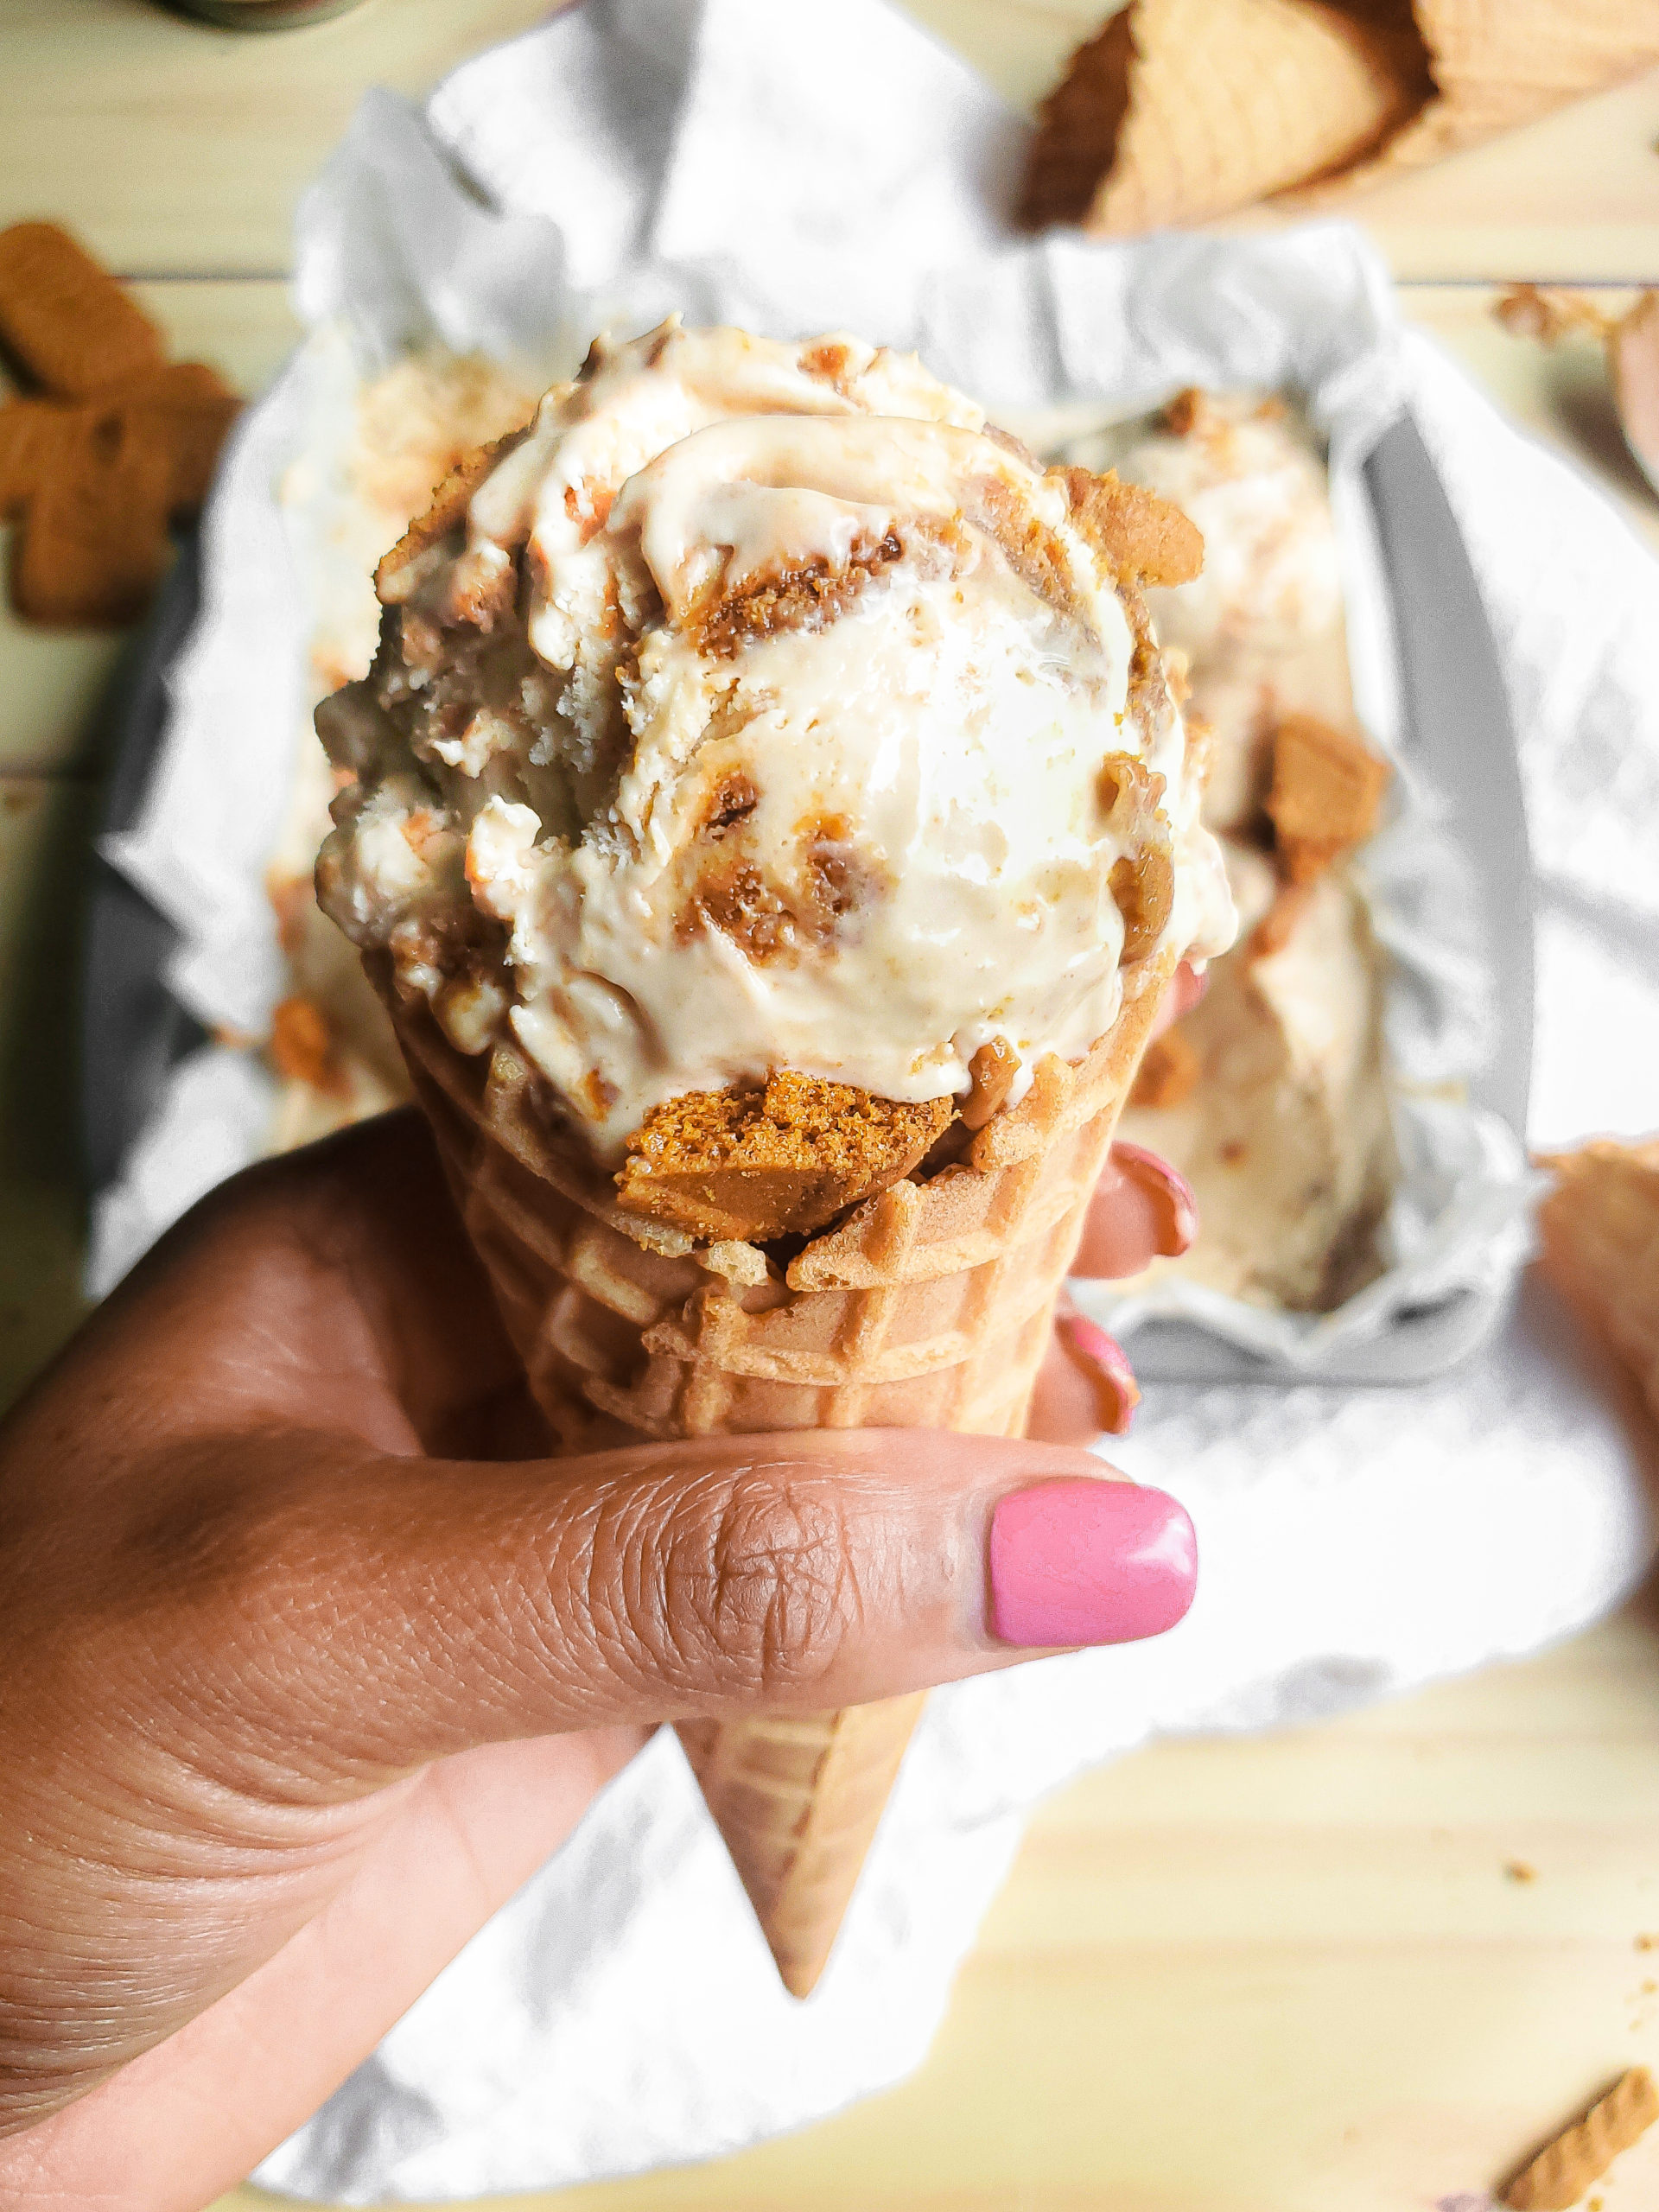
[771,831]
[1492,69]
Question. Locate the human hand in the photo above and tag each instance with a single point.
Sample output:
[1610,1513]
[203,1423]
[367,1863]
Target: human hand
[306,1672]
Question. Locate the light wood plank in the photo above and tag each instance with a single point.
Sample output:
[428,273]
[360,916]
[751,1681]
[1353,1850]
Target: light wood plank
[1282,1974]
[173,146]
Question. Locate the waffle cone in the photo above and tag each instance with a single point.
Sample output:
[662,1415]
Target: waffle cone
[928,1306]
[1600,1231]
[1178,110]
[1181,110]
[1493,68]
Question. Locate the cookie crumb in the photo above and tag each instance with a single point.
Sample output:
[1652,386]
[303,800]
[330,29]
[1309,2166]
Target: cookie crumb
[748,1166]
[1518,1870]
[1327,789]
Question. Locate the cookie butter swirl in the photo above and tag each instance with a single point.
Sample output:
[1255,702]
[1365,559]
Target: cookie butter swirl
[757,710]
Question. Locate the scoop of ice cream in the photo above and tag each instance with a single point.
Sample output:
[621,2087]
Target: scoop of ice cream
[760,709]
[1248,478]
[1285,1135]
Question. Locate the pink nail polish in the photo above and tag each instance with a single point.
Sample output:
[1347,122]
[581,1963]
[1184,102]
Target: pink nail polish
[1077,1561]
[1170,1194]
[1116,1392]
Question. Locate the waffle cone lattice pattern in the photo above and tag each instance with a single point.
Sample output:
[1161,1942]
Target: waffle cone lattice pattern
[928,1306]
[796,1797]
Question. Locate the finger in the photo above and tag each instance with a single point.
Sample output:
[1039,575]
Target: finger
[189,2118]
[412,1609]
[1142,1209]
[1084,1386]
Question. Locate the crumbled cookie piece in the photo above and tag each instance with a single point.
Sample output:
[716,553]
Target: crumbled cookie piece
[301,1046]
[1144,887]
[401,570]
[1169,1072]
[1558,2177]
[749,1166]
[807,597]
[1327,789]
[1146,539]
[992,1068]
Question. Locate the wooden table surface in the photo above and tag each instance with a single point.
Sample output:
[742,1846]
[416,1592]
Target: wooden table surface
[1289,1974]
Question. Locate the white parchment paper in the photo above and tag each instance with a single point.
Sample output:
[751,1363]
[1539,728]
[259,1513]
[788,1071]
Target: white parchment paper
[801,168]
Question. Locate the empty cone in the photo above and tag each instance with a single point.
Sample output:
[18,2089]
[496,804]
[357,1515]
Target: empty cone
[1494,68]
[1600,1229]
[1182,110]
[929,1306]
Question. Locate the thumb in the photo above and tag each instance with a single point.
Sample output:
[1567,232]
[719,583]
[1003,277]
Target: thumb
[411,1608]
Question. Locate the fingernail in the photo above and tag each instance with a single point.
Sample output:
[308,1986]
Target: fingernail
[1116,1392]
[1077,1561]
[1170,1194]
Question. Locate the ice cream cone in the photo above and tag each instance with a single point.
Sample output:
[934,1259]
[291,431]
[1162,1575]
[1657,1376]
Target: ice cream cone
[1494,69]
[1181,110]
[929,1306]
[1178,110]
[1600,1227]
[846,766]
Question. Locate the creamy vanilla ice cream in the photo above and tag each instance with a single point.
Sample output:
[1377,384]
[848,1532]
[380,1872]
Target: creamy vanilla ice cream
[1248,476]
[760,709]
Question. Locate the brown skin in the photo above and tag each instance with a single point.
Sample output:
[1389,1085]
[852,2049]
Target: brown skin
[310,1659]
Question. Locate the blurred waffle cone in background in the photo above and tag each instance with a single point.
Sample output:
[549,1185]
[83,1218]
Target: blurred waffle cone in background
[929,1306]
[1179,111]
[1496,64]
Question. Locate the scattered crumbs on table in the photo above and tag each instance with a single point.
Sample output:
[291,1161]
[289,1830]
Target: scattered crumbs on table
[1519,1870]
[1647,1942]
